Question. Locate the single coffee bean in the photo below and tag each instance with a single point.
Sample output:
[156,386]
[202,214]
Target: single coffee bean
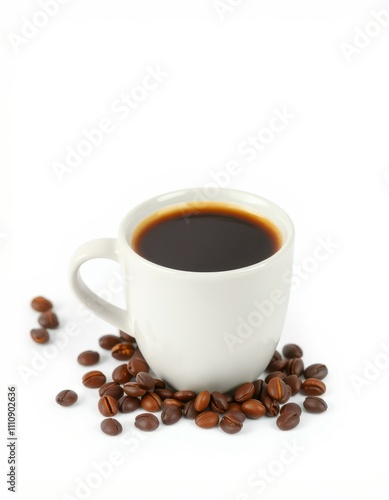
[112,389]
[108,341]
[159,384]
[257,388]
[145,381]
[151,402]
[41,304]
[276,388]
[164,393]
[171,415]
[189,410]
[127,404]
[88,358]
[219,402]
[184,396]
[276,363]
[66,397]
[238,414]
[234,407]
[272,406]
[293,407]
[230,397]
[207,419]
[48,319]
[111,426]
[278,374]
[313,387]
[230,423]
[295,366]
[288,420]
[314,404]
[316,370]
[294,382]
[287,395]
[126,337]
[132,389]
[276,357]
[94,379]
[172,402]
[253,408]
[122,351]
[292,351]
[244,392]
[202,401]
[146,422]
[137,365]
[108,406]
[121,375]
[40,335]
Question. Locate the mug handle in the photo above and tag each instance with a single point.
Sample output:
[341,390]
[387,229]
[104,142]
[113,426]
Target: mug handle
[102,248]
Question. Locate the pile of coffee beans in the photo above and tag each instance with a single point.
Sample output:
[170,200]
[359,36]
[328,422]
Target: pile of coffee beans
[47,319]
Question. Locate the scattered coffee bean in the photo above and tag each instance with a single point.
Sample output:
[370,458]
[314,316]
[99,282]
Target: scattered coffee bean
[189,410]
[121,375]
[295,366]
[164,393]
[234,407]
[276,357]
[108,406]
[132,389]
[272,406]
[111,426]
[293,407]
[146,422]
[219,402]
[207,419]
[88,358]
[127,404]
[48,319]
[313,387]
[172,402]
[253,408]
[145,381]
[276,363]
[202,401]
[238,414]
[288,420]
[244,392]
[257,388]
[278,374]
[122,351]
[126,337]
[94,379]
[41,304]
[137,365]
[230,423]
[184,396]
[112,389]
[314,404]
[230,397]
[287,395]
[276,388]
[316,370]
[151,402]
[108,341]
[292,351]
[171,415]
[66,397]
[159,384]
[294,382]
[40,335]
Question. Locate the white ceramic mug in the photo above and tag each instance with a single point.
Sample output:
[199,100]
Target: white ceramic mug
[197,330]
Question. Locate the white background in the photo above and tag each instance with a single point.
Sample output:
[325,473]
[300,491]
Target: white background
[328,169]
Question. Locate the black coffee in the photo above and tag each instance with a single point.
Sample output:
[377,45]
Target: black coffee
[208,237]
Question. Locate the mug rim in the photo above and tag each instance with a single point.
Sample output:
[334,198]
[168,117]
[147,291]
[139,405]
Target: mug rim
[288,242]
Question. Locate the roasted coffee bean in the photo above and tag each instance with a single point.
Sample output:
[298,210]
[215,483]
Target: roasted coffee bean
[202,401]
[184,396]
[127,404]
[313,387]
[111,426]
[238,414]
[294,382]
[66,397]
[234,407]
[121,375]
[244,392]
[132,389]
[171,415]
[189,410]
[145,381]
[314,404]
[41,304]
[94,379]
[257,388]
[108,406]
[126,337]
[288,420]
[48,319]
[272,406]
[276,363]
[172,402]
[122,351]
[159,384]
[229,397]
[287,395]
[112,389]
[295,366]
[207,419]
[316,370]
[276,357]
[146,422]
[137,365]
[164,393]
[230,423]
[293,407]
[219,402]
[151,402]
[292,351]
[276,388]
[253,408]
[108,341]
[88,358]
[40,335]
[278,374]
